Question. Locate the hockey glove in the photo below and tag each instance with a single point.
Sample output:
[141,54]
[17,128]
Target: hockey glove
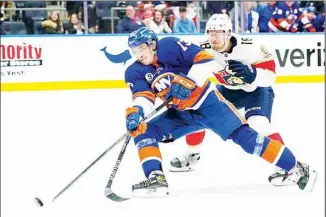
[181,89]
[134,116]
[246,73]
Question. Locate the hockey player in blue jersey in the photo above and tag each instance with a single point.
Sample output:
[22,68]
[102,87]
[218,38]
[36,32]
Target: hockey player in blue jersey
[173,68]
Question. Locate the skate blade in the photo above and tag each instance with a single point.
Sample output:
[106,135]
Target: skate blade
[151,193]
[185,169]
[277,182]
[312,180]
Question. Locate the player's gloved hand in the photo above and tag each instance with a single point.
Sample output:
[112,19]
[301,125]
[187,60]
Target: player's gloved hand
[134,116]
[181,89]
[246,73]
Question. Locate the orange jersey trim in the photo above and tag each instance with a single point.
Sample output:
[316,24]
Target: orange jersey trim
[149,151]
[231,106]
[131,110]
[272,150]
[203,55]
[147,94]
[182,104]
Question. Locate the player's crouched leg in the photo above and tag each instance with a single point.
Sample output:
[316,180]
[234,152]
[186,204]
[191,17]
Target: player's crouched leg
[275,153]
[151,160]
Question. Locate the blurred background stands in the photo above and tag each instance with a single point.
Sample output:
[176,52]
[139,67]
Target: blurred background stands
[26,17]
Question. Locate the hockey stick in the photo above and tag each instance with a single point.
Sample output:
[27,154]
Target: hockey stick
[108,189]
[85,170]
[40,203]
[105,152]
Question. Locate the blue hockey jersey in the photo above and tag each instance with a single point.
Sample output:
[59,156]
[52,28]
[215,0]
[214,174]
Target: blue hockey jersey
[174,56]
[285,17]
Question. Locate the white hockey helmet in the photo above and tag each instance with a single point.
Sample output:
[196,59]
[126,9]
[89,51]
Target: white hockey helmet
[220,22]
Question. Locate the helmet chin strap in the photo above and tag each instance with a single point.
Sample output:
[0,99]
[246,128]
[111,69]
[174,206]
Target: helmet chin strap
[153,53]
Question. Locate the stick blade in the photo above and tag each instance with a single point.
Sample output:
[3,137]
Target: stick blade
[114,197]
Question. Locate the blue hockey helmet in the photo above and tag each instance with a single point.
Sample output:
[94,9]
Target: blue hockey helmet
[140,36]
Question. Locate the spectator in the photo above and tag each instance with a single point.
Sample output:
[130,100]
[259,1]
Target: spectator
[8,15]
[2,10]
[158,24]
[192,12]
[146,9]
[129,23]
[260,5]
[319,22]
[305,22]
[265,13]
[251,18]
[75,26]
[148,16]
[159,5]
[53,24]
[183,24]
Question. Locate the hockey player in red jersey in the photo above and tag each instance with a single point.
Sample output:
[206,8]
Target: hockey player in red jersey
[245,75]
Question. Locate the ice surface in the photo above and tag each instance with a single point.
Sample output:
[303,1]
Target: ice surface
[48,138]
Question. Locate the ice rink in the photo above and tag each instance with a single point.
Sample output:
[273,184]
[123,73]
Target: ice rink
[47,138]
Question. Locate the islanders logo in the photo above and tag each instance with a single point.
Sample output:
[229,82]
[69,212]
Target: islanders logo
[117,58]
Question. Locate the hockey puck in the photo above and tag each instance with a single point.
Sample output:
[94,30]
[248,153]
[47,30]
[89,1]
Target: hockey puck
[38,202]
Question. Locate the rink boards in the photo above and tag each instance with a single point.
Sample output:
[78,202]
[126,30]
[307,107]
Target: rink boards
[99,61]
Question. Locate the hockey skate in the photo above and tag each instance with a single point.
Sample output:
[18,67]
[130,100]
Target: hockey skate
[302,175]
[184,163]
[155,185]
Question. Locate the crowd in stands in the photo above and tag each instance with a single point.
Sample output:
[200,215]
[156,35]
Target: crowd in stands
[67,17]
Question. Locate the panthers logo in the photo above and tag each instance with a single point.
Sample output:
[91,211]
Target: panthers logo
[225,78]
